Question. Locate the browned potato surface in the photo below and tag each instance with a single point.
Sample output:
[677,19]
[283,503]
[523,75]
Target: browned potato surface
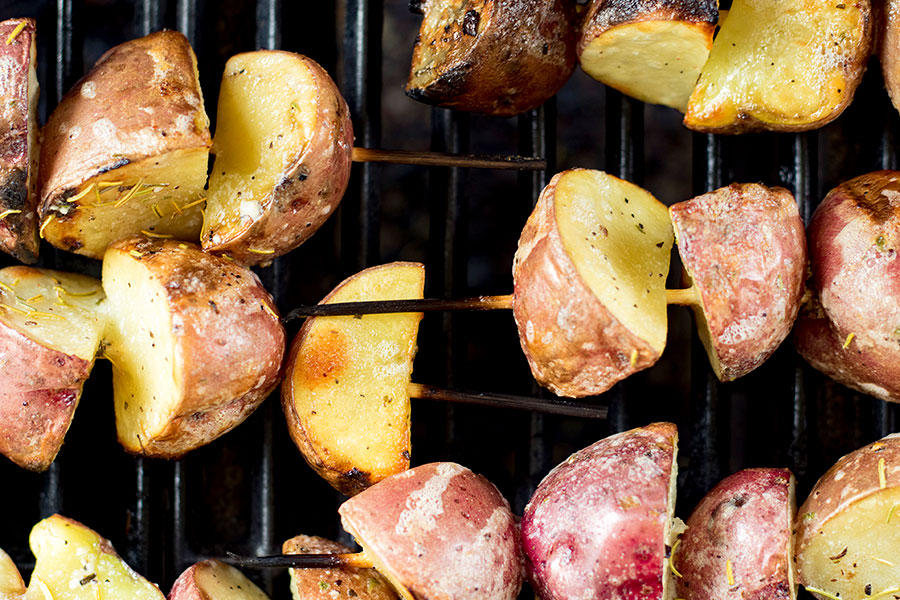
[590,274]
[283,143]
[743,248]
[438,531]
[126,150]
[599,525]
[782,65]
[195,342]
[889,50]
[18,140]
[214,580]
[652,51]
[51,325]
[12,587]
[848,530]
[851,328]
[312,584]
[739,540]
[345,394]
[492,56]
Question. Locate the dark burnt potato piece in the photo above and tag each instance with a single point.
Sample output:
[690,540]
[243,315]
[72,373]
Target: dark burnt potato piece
[492,56]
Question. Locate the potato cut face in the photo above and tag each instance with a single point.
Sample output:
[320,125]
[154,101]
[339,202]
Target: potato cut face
[436,53]
[75,563]
[11,583]
[789,64]
[351,375]
[654,61]
[62,311]
[619,238]
[141,346]
[266,118]
[365,584]
[857,548]
[161,196]
[218,581]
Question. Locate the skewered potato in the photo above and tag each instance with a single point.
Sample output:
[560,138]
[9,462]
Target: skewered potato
[126,150]
[51,324]
[492,56]
[311,584]
[195,343]
[18,140]
[283,142]
[12,587]
[782,65]
[653,51]
[214,580]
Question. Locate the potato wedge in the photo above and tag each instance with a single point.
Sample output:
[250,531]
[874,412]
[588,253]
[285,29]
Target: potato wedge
[127,149]
[599,525]
[214,580]
[12,586]
[743,248]
[283,144]
[195,341]
[51,325]
[438,531]
[739,541]
[491,56]
[345,394]
[782,65]
[652,51]
[75,563]
[312,584]
[18,140]
[848,530]
[889,50]
[590,274]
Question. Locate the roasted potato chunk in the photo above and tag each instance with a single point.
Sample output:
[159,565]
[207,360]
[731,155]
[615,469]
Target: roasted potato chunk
[782,65]
[310,584]
[12,587]
[889,50]
[126,150]
[214,580]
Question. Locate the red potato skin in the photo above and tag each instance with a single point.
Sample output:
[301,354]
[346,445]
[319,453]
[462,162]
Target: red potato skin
[186,588]
[595,350]
[748,519]
[18,232]
[442,531]
[594,528]
[310,190]
[39,391]
[744,248]
[851,329]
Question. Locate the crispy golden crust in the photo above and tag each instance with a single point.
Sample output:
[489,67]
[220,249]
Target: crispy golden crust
[308,584]
[497,57]
[311,187]
[603,15]
[18,140]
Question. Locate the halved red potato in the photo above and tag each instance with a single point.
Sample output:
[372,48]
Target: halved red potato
[851,329]
[18,140]
[283,145]
[195,342]
[438,531]
[12,586]
[127,149]
[491,56]
[76,563]
[743,248]
[652,51]
[590,274]
[214,580]
[353,582]
[345,394]
[739,541]
[782,65]
[848,530]
[600,525]
[51,324]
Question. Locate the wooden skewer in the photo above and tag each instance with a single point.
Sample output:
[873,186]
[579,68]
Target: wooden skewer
[444,159]
[555,407]
[302,561]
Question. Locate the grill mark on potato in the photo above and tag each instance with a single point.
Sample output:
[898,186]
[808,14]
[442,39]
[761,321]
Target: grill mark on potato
[14,191]
[326,357]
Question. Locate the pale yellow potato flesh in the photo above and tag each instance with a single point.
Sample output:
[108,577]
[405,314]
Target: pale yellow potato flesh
[858,547]
[783,63]
[11,584]
[266,118]
[75,563]
[619,239]
[141,347]
[162,196]
[62,311]
[654,61]
[218,581]
[351,376]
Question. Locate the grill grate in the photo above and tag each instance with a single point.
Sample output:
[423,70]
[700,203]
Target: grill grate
[250,490]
